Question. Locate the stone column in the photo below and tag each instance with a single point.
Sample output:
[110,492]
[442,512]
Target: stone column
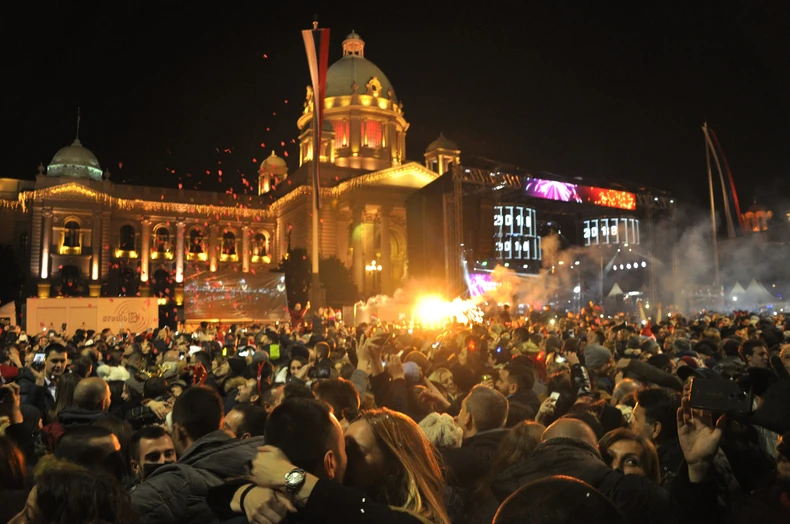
[46,244]
[96,247]
[35,244]
[213,247]
[245,249]
[359,262]
[386,255]
[180,226]
[106,223]
[145,248]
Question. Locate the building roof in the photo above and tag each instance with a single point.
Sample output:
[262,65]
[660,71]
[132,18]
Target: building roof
[353,69]
[75,161]
[442,143]
[274,161]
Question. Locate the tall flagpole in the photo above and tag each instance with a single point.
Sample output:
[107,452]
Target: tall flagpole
[712,207]
[318,67]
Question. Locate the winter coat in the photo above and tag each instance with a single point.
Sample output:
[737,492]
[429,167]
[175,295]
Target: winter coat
[176,492]
[469,463]
[32,394]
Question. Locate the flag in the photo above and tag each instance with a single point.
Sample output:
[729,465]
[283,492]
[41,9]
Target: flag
[318,63]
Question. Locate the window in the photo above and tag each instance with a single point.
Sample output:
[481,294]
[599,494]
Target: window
[127,239]
[341,133]
[162,240]
[372,133]
[260,246]
[229,243]
[71,237]
[196,241]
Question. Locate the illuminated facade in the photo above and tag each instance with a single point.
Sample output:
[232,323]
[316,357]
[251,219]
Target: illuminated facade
[364,178]
[79,234]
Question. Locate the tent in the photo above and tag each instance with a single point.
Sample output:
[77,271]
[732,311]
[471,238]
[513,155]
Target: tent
[8,313]
[616,290]
[757,293]
[737,290]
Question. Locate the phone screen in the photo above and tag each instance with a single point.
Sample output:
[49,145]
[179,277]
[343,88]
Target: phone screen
[38,358]
[555,395]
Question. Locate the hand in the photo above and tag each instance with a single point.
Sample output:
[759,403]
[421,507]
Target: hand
[698,440]
[623,363]
[572,358]
[160,409]
[270,467]
[304,371]
[40,380]
[264,506]
[15,357]
[10,406]
[395,367]
[547,407]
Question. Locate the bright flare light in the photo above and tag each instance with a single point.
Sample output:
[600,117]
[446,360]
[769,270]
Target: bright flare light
[433,310]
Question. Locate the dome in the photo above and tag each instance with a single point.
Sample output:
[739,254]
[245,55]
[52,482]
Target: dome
[442,143]
[274,161]
[354,68]
[75,161]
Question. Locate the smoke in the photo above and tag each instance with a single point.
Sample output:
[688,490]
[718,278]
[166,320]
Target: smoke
[680,257]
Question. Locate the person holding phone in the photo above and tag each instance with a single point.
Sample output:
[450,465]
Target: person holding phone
[38,388]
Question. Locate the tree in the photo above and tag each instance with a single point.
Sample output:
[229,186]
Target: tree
[296,267]
[337,281]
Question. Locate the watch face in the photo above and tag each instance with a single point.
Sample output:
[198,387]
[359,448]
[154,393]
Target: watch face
[294,478]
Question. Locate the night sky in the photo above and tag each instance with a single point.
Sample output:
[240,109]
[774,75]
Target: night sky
[615,91]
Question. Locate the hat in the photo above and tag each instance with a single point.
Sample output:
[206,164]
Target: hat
[177,383]
[681,345]
[237,365]
[411,372]
[690,362]
[596,356]
[22,337]
[684,372]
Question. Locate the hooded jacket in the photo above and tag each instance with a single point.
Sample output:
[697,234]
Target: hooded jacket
[177,492]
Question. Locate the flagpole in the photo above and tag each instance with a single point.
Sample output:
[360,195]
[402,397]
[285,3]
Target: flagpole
[712,206]
[318,67]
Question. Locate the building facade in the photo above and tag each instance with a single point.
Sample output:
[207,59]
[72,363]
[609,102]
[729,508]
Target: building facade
[80,234]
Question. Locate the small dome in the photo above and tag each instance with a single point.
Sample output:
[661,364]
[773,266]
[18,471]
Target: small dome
[75,161]
[353,35]
[274,161]
[353,69]
[442,143]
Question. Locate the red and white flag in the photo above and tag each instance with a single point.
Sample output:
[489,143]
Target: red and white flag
[318,60]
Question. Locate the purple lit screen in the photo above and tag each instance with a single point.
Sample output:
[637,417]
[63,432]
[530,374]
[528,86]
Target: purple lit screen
[565,192]
[480,283]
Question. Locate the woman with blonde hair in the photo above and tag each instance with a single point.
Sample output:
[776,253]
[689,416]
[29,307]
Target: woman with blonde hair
[390,459]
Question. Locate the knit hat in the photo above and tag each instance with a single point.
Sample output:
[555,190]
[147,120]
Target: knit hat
[681,345]
[237,365]
[411,372]
[596,356]
[441,430]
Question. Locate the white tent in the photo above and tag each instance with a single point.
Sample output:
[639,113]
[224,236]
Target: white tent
[8,312]
[616,290]
[759,294]
[737,290]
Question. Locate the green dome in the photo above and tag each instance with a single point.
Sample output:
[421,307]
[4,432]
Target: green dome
[75,161]
[350,69]
[442,143]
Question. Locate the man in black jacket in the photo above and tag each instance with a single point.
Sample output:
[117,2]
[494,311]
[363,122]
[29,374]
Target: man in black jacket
[38,389]
[482,418]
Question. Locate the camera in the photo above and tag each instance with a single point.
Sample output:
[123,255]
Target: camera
[721,396]
[321,372]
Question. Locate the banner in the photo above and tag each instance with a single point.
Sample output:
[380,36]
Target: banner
[318,64]
[49,314]
[229,295]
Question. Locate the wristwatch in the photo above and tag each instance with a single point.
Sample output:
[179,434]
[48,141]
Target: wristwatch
[294,480]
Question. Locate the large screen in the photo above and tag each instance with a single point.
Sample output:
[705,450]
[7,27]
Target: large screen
[230,295]
[566,192]
[608,230]
[515,233]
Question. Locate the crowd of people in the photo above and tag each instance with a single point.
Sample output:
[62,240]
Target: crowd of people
[541,417]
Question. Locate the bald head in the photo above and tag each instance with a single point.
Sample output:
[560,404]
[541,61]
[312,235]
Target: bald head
[571,428]
[171,356]
[92,394]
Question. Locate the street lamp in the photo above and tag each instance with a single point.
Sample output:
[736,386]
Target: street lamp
[374,269]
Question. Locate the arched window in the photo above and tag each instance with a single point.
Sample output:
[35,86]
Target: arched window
[196,241]
[260,246]
[71,237]
[127,238]
[229,243]
[162,240]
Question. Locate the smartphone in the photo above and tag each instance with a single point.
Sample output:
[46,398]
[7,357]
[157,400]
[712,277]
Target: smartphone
[244,353]
[194,349]
[555,396]
[720,396]
[38,361]
[560,359]
[571,333]
[63,327]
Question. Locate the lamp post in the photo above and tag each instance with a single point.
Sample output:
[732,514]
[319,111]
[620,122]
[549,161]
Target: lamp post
[374,270]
